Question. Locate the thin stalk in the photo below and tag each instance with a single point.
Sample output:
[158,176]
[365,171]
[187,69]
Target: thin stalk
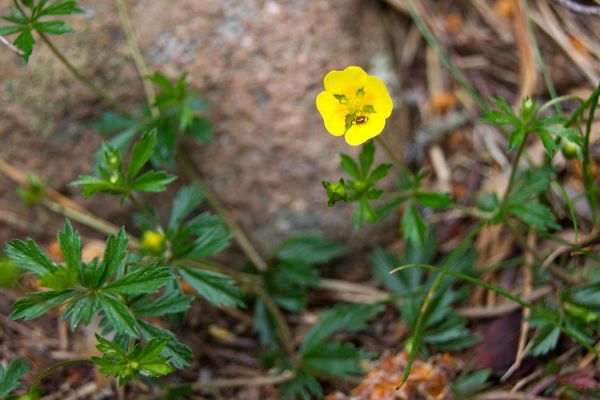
[504,293]
[557,100]
[240,236]
[63,364]
[84,80]
[513,172]
[136,53]
[395,160]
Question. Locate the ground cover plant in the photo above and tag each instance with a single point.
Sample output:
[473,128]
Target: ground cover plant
[521,252]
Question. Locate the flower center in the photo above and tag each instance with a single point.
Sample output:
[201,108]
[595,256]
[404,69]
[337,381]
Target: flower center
[356,108]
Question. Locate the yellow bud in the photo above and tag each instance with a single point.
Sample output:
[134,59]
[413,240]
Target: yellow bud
[153,242]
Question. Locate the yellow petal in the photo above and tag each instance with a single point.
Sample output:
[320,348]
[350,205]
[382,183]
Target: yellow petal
[345,82]
[358,134]
[333,113]
[377,96]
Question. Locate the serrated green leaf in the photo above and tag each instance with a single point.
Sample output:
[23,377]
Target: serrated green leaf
[115,253]
[10,376]
[434,200]
[534,213]
[70,247]
[188,198]
[334,359]
[64,7]
[178,354]
[81,308]
[169,303]
[118,315]
[145,280]
[29,256]
[25,42]
[152,181]
[264,324]
[413,226]
[379,172]
[304,386]
[209,243]
[216,288]
[465,385]
[350,166]
[309,249]
[140,154]
[341,318]
[545,340]
[299,273]
[9,30]
[366,157]
[38,303]
[53,27]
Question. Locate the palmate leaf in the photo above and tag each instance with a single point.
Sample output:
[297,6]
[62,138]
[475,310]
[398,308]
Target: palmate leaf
[214,287]
[413,226]
[83,307]
[70,247]
[38,303]
[188,198]
[117,314]
[341,318]
[115,253]
[141,152]
[29,256]
[11,375]
[169,303]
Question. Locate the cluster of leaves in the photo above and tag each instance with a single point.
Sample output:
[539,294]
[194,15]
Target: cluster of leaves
[322,357]
[550,129]
[28,16]
[114,178]
[288,277]
[443,328]
[178,111]
[109,288]
[191,238]
[361,189]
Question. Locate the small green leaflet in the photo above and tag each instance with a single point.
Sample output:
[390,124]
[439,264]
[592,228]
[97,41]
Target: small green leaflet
[214,287]
[11,375]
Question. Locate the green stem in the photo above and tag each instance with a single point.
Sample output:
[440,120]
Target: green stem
[63,364]
[513,171]
[395,160]
[240,236]
[540,311]
[83,79]
[136,53]
[558,100]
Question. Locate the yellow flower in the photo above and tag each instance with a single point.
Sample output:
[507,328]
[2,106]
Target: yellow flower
[354,104]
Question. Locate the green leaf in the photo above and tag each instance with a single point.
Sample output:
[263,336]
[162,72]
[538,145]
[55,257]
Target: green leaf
[534,213]
[466,385]
[63,7]
[434,200]
[216,288]
[405,281]
[117,314]
[70,247]
[115,253]
[350,166]
[152,181]
[145,280]
[413,225]
[178,354]
[309,249]
[334,359]
[379,172]
[169,303]
[209,243]
[93,184]
[141,152]
[53,27]
[11,375]
[341,318]
[9,30]
[188,198]
[545,340]
[81,308]
[516,138]
[304,386]
[299,273]
[201,130]
[38,303]
[25,42]
[366,157]
[112,122]
[264,324]
[29,256]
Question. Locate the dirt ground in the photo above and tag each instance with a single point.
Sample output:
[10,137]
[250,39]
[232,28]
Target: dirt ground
[259,64]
